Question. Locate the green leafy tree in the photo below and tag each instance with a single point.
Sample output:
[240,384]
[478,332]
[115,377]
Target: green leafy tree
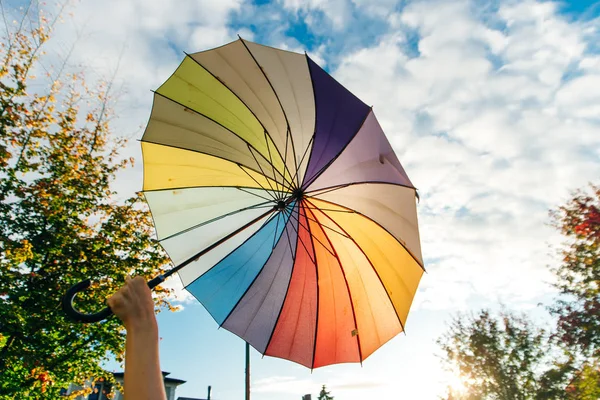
[325,395]
[60,222]
[500,357]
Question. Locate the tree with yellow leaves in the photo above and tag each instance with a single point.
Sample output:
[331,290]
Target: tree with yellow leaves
[60,222]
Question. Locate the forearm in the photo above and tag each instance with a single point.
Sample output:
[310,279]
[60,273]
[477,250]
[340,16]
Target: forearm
[143,378]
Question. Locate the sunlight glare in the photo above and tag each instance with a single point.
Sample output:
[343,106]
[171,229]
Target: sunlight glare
[455,383]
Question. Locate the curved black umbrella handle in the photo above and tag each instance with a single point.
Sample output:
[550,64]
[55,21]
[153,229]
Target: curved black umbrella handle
[75,315]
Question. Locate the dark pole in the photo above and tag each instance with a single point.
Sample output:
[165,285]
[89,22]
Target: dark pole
[247,371]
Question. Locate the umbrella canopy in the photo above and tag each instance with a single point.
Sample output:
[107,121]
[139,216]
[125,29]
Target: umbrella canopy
[282,186]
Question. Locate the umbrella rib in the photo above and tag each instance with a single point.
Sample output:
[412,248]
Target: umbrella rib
[302,159]
[210,221]
[324,167]
[203,187]
[328,209]
[313,237]
[324,226]
[300,239]
[312,85]
[286,232]
[372,267]
[210,119]
[296,166]
[239,98]
[275,238]
[254,194]
[344,185]
[262,171]
[274,174]
[287,122]
[327,189]
[286,153]
[347,288]
[312,365]
[271,159]
[379,225]
[261,186]
[288,285]
[283,181]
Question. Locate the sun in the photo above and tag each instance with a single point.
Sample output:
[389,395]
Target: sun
[455,383]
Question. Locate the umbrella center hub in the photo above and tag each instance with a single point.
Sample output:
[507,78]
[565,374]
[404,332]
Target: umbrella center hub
[298,194]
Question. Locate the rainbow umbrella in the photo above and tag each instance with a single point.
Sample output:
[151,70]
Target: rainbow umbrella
[281,202]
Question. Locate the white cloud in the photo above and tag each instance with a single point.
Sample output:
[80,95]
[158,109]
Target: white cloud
[339,15]
[340,384]
[338,11]
[206,37]
[180,295]
[591,63]
[493,130]
[578,99]
[381,8]
[284,384]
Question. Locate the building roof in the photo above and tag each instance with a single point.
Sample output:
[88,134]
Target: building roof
[189,398]
[164,374]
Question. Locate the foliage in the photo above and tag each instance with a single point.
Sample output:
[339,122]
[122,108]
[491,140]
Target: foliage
[578,309]
[325,395]
[586,383]
[509,357]
[497,357]
[59,222]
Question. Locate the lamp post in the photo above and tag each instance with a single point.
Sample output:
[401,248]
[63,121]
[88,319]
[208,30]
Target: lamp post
[247,371]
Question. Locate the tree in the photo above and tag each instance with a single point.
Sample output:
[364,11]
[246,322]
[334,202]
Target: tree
[578,276]
[59,221]
[499,357]
[325,395]
[578,280]
[508,357]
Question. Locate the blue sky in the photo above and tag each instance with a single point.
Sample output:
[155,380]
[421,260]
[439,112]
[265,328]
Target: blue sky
[491,106]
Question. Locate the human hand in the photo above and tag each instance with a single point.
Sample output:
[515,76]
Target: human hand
[133,304]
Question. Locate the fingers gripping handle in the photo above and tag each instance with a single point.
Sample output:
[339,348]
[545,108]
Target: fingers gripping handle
[75,315]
